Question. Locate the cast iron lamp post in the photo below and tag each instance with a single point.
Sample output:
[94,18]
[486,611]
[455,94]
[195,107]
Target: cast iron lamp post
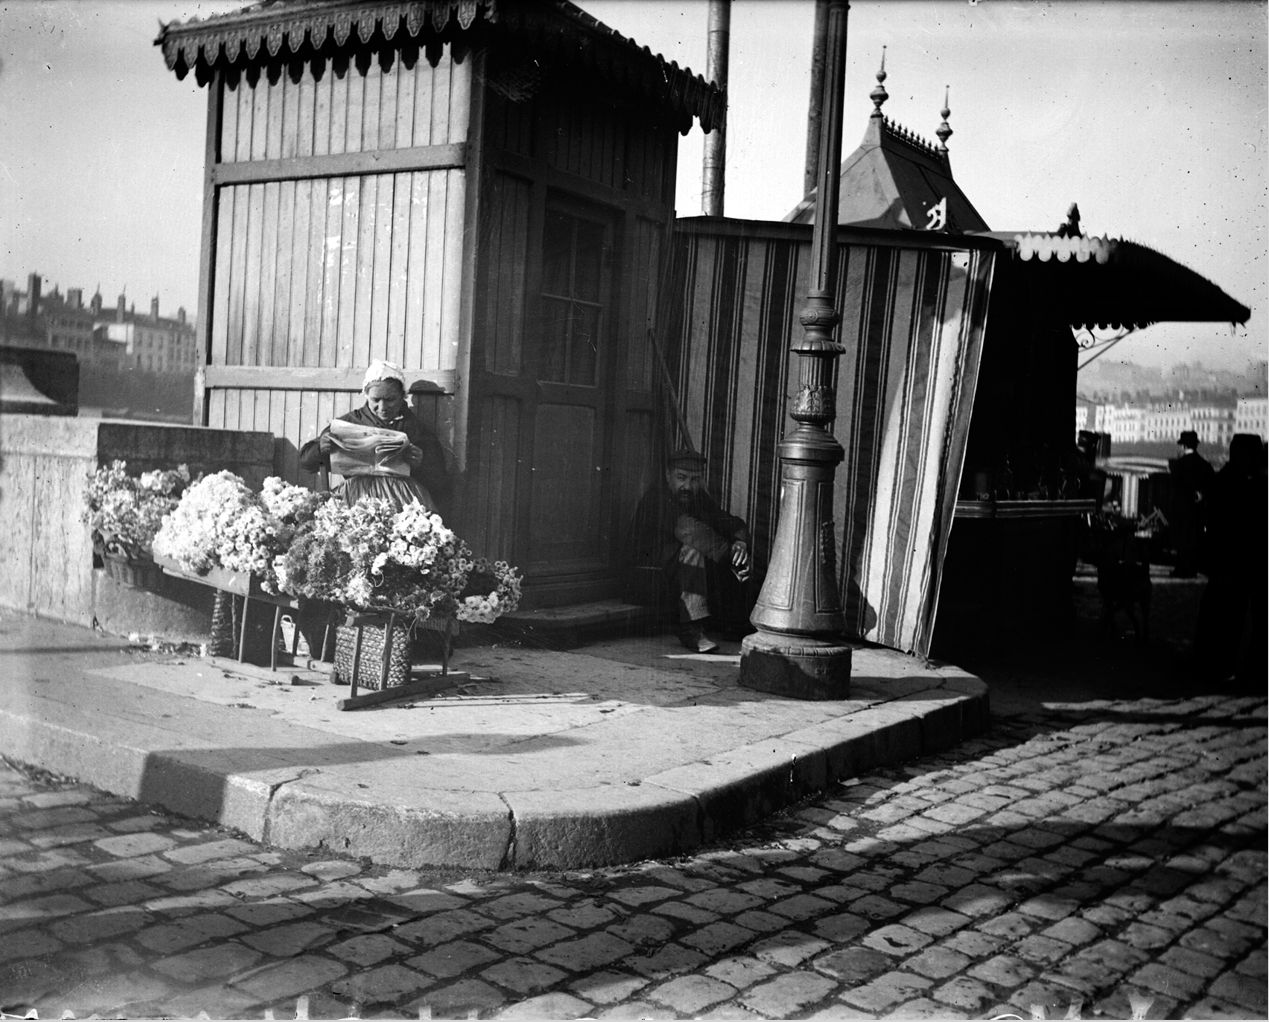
[800,647]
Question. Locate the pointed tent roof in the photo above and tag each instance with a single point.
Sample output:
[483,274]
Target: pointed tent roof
[895,179]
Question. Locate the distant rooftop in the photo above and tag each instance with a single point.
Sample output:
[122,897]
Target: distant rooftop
[896,179]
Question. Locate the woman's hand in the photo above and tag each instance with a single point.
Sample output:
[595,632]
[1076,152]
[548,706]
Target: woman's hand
[324,443]
[740,559]
[413,455]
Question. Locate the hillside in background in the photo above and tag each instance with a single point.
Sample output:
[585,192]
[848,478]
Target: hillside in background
[1108,379]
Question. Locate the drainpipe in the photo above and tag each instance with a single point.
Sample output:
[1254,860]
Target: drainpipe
[713,170]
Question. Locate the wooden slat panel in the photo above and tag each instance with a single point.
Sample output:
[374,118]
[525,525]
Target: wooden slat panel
[321,115]
[297,316]
[424,264]
[348,271]
[364,284]
[330,271]
[358,91]
[228,122]
[261,349]
[291,123]
[442,79]
[282,297]
[223,276]
[387,134]
[274,123]
[397,292]
[452,291]
[382,261]
[459,118]
[290,427]
[235,278]
[438,268]
[243,100]
[370,114]
[307,115]
[424,87]
[406,82]
[259,120]
[310,340]
[339,88]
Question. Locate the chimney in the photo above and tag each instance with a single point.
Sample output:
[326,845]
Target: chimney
[75,297]
[154,307]
[95,302]
[33,295]
[180,315]
[121,307]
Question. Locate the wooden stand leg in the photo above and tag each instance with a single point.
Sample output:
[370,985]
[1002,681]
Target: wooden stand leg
[242,630]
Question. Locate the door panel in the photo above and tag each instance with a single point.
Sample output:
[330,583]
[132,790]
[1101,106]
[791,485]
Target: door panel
[570,358]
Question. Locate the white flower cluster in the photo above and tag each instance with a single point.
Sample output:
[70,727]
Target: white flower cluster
[125,512]
[221,523]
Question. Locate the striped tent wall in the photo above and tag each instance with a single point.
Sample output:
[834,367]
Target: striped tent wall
[914,310]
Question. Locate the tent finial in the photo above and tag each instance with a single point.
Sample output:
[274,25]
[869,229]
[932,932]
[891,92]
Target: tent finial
[945,130]
[879,94]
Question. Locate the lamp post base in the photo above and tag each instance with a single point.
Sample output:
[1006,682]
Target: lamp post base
[795,666]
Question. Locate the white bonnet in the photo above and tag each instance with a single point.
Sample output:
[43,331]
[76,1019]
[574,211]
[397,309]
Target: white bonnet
[380,370]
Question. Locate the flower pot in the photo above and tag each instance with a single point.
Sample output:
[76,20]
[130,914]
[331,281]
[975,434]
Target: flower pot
[135,572]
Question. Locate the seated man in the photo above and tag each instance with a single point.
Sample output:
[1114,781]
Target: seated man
[701,554]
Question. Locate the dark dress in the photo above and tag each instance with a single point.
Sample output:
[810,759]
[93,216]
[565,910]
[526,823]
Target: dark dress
[427,483]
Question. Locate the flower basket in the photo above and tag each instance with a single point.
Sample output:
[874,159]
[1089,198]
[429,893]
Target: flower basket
[135,572]
[372,651]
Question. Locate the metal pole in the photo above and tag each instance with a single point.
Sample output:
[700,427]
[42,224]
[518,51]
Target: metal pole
[800,647]
[815,109]
[714,160]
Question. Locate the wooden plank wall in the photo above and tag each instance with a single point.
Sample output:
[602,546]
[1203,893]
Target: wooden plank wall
[557,143]
[329,265]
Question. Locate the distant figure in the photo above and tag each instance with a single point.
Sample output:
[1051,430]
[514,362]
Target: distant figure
[1232,617]
[697,554]
[1191,485]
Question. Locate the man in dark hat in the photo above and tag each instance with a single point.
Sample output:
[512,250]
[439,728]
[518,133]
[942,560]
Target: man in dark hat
[700,556]
[1192,479]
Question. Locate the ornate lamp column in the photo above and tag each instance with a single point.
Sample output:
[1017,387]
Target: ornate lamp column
[800,647]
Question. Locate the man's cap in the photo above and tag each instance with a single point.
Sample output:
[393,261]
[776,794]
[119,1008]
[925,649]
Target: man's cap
[685,457]
[1188,438]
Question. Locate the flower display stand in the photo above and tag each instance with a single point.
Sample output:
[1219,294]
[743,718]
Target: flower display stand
[373,650]
[243,586]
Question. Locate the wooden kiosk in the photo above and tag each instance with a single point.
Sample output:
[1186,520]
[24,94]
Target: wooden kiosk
[478,191]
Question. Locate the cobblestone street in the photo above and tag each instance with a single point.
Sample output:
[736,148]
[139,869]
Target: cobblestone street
[1100,858]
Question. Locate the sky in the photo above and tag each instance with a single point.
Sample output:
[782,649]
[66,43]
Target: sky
[1150,116]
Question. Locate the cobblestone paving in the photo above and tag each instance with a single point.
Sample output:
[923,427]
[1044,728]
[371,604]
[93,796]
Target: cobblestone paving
[1106,860]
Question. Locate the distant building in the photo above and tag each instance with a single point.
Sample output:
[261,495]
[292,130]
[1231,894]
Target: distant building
[1251,415]
[97,334]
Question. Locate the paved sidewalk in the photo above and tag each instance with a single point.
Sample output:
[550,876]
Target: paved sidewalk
[1098,859]
[608,754]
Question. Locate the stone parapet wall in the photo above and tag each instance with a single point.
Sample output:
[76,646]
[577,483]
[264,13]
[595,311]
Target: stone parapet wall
[46,548]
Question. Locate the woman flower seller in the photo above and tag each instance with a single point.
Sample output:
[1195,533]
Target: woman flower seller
[381,449]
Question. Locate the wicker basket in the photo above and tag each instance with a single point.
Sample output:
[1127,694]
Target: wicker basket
[360,654]
[226,629]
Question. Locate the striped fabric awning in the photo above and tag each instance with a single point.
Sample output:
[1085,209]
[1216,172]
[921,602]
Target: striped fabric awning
[914,311]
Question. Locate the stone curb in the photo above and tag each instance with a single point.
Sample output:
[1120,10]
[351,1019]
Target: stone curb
[206,763]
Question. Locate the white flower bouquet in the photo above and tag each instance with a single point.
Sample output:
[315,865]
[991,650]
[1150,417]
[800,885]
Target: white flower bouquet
[221,523]
[125,512]
[373,557]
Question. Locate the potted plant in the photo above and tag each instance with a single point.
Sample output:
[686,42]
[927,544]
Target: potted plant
[225,535]
[125,514]
[398,570]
